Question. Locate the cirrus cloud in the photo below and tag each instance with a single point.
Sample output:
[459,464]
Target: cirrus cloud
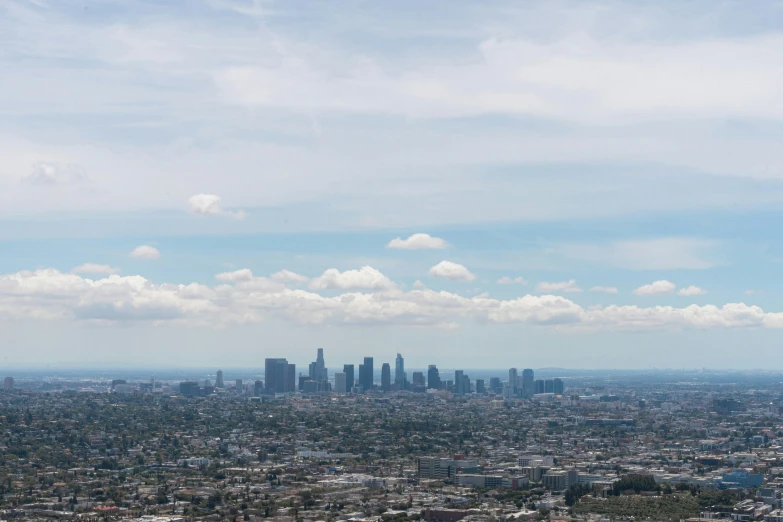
[450,270]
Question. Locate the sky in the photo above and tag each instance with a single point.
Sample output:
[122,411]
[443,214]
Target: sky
[479,184]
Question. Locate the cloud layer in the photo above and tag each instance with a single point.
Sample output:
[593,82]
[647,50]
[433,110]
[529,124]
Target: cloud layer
[242,297]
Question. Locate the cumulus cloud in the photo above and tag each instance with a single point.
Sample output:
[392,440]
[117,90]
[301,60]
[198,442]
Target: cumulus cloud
[506,280]
[660,287]
[48,294]
[604,289]
[418,284]
[418,242]
[562,286]
[93,268]
[286,276]
[210,205]
[453,271]
[47,173]
[690,291]
[365,278]
[145,252]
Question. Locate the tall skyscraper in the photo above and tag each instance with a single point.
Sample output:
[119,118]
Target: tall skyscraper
[238,386]
[528,380]
[8,383]
[549,386]
[495,384]
[399,372]
[559,387]
[480,386]
[433,378]
[349,377]
[539,386]
[275,373]
[418,380]
[340,385]
[290,378]
[459,382]
[367,374]
[385,377]
[512,377]
[320,366]
[219,379]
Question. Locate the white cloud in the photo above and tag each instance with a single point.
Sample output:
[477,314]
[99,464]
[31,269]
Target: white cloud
[506,280]
[286,276]
[604,289]
[450,270]
[93,268]
[418,284]
[145,252]
[237,276]
[365,278]
[242,298]
[47,173]
[418,242]
[563,286]
[690,291]
[661,287]
[210,205]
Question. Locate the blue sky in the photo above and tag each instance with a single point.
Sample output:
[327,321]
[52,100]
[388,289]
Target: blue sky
[599,183]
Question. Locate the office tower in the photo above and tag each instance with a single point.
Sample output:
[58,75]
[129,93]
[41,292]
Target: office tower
[480,386]
[311,371]
[385,377]
[549,386]
[238,386]
[219,379]
[8,383]
[275,373]
[512,377]
[360,382]
[340,382]
[458,382]
[302,380]
[466,385]
[539,386]
[187,388]
[399,372]
[290,378]
[367,374]
[433,378]
[320,366]
[418,379]
[349,378]
[528,380]
[559,387]
[258,388]
[495,385]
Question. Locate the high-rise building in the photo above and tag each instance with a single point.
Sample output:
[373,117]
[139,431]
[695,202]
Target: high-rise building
[480,386]
[466,388]
[258,388]
[459,382]
[512,377]
[418,379]
[317,369]
[219,379]
[276,373]
[559,387]
[290,378]
[495,385]
[385,377]
[340,383]
[367,374]
[528,380]
[549,386]
[8,383]
[187,388]
[400,379]
[238,386]
[539,386]
[349,377]
[433,377]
